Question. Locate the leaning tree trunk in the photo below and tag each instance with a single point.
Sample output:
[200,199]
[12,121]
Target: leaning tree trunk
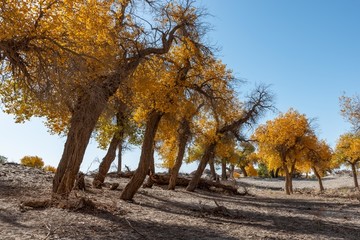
[208,155]
[149,183]
[107,160]
[82,123]
[244,171]
[223,169]
[184,134]
[319,179]
[353,167]
[145,158]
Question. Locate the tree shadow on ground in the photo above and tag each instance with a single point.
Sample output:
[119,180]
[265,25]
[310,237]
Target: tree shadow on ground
[314,222]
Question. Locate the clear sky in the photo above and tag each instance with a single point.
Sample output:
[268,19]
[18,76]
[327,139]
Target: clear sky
[307,50]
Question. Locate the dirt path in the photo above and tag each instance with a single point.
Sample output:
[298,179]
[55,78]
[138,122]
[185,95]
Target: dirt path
[160,214]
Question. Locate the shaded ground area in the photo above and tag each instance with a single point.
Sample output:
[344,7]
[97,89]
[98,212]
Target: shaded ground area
[160,214]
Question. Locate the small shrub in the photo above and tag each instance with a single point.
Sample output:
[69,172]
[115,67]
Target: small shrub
[32,161]
[49,168]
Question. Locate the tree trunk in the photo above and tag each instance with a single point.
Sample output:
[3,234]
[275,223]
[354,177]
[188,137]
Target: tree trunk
[319,179]
[244,171]
[231,170]
[208,155]
[277,172]
[116,141]
[149,183]
[120,149]
[107,160]
[212,169]
[353,167]
[183,138]
[82,123]
[223,169]
[287,177]
[291,177]
[145,157]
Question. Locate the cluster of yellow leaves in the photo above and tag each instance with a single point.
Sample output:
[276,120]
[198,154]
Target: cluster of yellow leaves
[251,171]
[32,161]
[348,149]
[49,168]
[167,141]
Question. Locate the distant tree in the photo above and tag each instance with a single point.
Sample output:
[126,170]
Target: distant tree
[32,161]
[279,141]
[3,159]
[350,110]
[348,151]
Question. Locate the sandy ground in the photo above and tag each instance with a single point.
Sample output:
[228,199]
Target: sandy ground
[265,213]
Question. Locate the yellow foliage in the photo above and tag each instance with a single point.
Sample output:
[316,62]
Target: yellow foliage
[32,161]
[49,168]
[348,149]
[236,175]
[251,171]
[279,139]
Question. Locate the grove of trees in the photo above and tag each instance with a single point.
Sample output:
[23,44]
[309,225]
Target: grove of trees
[141,72]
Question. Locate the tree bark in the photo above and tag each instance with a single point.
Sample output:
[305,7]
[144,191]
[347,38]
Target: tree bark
[149,183]
[82,123]
[353,167]
[287,175]
[319,179]
[223,169]
[244,171]
[107,160]
[183,138]
[291,177]
[208,155]
[145,157]
[120,149]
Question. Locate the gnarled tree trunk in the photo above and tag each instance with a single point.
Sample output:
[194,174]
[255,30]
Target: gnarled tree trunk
[183,138]
[145,157]
[208,155]
[83,121]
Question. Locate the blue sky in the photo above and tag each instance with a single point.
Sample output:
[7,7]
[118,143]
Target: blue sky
[307,50]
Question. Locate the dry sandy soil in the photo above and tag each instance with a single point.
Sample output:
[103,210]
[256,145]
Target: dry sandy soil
[265,213]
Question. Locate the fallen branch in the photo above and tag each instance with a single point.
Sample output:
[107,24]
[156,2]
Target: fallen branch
[163,179]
